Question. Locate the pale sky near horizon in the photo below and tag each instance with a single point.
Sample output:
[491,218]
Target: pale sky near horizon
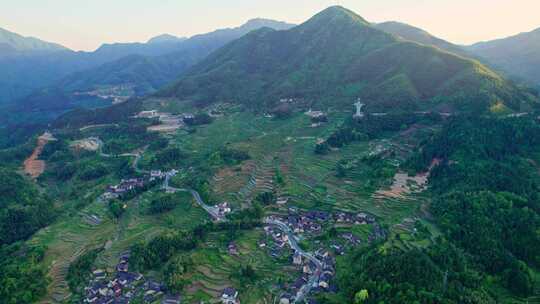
[86,24]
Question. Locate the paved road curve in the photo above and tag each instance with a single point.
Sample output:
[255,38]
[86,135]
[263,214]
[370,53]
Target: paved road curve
[212,210]
[306,288]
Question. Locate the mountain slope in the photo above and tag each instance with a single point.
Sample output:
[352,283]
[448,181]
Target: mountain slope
[336,57]
[411,33]
[518,55]
[11,43]
[142,74]
[25,71]
[149,73]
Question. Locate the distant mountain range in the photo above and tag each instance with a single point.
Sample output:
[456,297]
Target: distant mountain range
[143,67]
[25,71]
[518,56]
[12,43]
[336,57]
[411,33]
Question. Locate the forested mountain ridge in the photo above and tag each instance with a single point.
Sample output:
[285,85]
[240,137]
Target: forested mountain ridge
[148,73]
[26,71]
[336,57]
[253,178]
[411,33]
[517,55]
[12,43]
[150,67]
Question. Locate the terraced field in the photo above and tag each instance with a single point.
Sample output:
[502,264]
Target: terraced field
[261,180]
[309,181]
[66,241]
[216,269]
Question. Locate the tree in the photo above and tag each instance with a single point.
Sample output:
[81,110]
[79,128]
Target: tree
[322,148]
[361,296]
[266,198]
[341,171]
[163,204]
[116,208]
[519,279]
[175,273]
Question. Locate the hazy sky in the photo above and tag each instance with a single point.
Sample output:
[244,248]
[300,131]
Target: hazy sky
[86,24]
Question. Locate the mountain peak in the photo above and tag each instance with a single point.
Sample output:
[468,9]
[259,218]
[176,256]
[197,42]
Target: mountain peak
[165,38]
[258,23]
[337,11]
[20,43]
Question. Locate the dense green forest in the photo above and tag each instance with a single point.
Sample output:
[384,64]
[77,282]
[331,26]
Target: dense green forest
[22,275]
[82,117]
[23,210]
[485,200]
[80,270]
[439,274]
[336,57]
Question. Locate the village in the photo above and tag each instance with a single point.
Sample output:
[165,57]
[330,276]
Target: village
[316,270]
[134,184]
[122,287]
[286,236]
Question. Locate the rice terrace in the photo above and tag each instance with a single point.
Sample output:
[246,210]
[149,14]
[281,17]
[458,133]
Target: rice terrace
[335,157]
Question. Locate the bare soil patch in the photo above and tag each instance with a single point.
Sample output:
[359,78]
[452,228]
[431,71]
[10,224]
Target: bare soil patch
[32,165]
[404,184]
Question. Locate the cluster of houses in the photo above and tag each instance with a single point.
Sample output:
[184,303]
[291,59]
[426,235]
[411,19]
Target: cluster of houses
[279,241]
[317,279]
[130,184]
[353,218]
[159,175]
[125,185]
[116,94]
[124,287]
[318,270]
[306,222]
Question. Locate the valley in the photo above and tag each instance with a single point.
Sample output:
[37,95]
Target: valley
[335,161]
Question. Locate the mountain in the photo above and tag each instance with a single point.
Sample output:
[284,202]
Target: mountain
[28,63]
[11,43]
[336,57]
[411,33]
[519,55]
[143,74]
[165,38]
[148,73]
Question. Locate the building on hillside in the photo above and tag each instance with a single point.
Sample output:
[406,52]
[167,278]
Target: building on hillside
[156,174]
[232,249]
[286,299]
[224,209]
[297,258]
[148,114]
[229,296]
[176,299]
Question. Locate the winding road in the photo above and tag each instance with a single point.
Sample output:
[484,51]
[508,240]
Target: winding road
[137,156]
[212,210]
[306,288]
